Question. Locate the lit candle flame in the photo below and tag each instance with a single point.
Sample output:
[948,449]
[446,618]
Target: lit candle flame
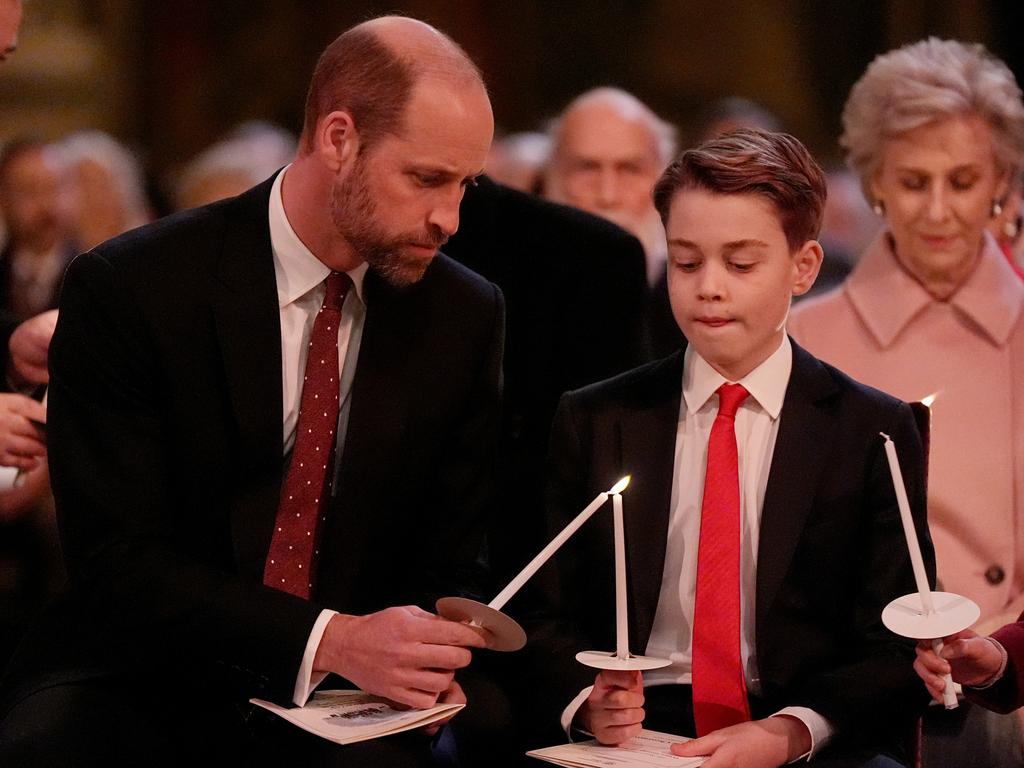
[927,401]
[620,486]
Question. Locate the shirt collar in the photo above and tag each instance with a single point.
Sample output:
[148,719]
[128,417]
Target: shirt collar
[296,269]
[766,384]
[887,299]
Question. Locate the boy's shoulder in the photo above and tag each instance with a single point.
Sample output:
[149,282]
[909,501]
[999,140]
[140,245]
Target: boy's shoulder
[655,382]
[646,384]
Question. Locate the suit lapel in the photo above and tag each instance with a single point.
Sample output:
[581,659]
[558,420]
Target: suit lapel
[797,463]
[248,327]
[648,437]
[382,393]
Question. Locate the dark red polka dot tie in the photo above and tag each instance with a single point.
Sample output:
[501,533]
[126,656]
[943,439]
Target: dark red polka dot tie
[291,561]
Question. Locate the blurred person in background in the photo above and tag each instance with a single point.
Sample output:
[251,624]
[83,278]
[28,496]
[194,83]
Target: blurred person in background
[39,244]
[245,157]
[104,185]
[607,150]
[30,566]
[518,160]
[731,114]
[10,21]
[848,227]
[935,131]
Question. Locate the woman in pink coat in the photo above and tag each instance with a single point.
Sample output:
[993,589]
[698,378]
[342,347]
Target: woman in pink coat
[935,131]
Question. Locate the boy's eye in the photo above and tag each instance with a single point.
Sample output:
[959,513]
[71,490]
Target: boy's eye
[741,266]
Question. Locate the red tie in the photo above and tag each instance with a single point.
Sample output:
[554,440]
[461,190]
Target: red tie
[291,561]
[719,686]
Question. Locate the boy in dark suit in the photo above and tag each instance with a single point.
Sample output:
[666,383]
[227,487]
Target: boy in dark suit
[763,535]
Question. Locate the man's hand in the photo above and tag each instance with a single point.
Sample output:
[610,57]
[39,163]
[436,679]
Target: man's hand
[453,695]
[403,654]
[766,743]
[22,441]
[614,710]
[970,658]
[29,346]
[24,496]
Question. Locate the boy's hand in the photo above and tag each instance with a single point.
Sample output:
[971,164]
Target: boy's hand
[614,710]
[766,743]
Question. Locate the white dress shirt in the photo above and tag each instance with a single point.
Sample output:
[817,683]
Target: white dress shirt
[300,292]
[757,425]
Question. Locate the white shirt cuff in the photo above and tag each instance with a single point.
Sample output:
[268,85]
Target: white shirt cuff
[307,681]
[820,729]
[570,711]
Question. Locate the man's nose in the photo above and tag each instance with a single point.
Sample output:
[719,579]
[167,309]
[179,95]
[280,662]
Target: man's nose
[445,215]
[609,190]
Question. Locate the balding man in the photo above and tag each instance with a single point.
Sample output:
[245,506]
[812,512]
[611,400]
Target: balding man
[267,410]
[608,149]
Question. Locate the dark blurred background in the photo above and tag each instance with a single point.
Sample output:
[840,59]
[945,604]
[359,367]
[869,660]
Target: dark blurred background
[170,77]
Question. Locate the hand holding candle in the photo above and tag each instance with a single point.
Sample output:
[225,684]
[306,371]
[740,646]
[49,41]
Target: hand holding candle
[501,632]
[931,618]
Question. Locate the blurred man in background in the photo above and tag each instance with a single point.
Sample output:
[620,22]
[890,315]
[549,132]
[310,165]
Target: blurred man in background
[608,149]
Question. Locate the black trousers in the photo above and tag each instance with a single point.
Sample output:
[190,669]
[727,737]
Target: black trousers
[110,723]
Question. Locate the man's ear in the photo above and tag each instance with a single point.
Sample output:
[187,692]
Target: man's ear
[806,264]
[336,140]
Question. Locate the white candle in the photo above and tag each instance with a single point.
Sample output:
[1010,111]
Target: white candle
[621,606]
[542,557]
[916,561]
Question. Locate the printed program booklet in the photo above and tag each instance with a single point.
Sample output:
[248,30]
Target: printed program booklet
[346,717]
[650,750]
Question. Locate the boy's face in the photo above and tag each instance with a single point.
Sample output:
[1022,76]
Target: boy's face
[731,276]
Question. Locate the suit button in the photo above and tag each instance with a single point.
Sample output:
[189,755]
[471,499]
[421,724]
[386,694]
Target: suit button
[995,575]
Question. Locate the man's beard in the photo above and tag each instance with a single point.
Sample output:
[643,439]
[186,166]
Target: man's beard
[354,213]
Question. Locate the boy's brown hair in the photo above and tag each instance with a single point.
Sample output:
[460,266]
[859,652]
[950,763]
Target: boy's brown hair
[773,165]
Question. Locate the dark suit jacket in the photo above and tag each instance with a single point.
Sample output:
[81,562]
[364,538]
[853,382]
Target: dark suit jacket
[831,553]
[165,423]
[575,291]
[1007,694]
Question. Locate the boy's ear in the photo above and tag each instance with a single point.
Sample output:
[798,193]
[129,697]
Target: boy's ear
[806,263]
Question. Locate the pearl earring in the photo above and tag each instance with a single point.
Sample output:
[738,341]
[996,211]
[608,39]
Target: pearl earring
[997,208]
[878,208]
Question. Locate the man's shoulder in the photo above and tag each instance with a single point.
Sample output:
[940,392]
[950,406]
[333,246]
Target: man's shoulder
[446,275]
[194,232]
[503,230]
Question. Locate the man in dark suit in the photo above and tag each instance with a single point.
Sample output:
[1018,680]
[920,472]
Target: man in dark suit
[574,289]
[762,530]
[273,420]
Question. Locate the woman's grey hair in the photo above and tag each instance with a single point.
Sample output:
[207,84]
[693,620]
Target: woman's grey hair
[927,81]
